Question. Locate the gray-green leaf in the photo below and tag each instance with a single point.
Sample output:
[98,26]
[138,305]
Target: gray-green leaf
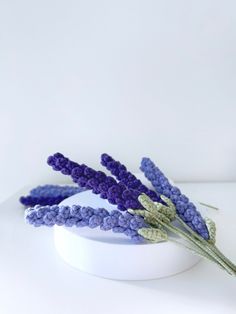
[153,234]
[147,203]
[169,211]
[152,207]
[211,226]
[168,202]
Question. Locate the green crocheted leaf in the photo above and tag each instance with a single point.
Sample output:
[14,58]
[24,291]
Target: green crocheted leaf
[211,226]
[153,234]
[153,208]
[147,203]
[158,205]
[152,222]
[169,211]
[169,203]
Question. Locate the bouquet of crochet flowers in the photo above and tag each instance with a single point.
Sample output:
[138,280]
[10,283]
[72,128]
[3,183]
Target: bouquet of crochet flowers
[143,214]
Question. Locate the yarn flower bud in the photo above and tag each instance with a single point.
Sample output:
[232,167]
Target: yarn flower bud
[186,210]
[49,194]
[98,182]
[124,176]
[79,216]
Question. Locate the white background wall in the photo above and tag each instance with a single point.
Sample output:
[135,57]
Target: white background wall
[131,78]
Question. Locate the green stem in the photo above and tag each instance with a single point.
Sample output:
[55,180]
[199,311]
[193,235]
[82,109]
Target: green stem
[206,250]
[218,252]
[207,205]
[202,246]
[195,251]
[211,246]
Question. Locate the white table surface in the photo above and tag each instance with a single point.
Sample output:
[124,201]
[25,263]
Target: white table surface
[33,278]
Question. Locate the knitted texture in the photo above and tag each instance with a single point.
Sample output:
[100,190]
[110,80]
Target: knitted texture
[185,209]
[60,163]
[49,194]
[78,216]
[97,181]
[124,176]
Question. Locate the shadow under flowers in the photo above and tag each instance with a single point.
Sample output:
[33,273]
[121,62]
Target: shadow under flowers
[203,283]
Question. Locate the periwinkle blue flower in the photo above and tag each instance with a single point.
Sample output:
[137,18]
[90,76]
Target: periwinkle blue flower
[64,211]
[95,221]
[186,210]
[118,229]
[86,212]
[130,232]
[125,219]
[109,222]
[82,223]
[136,222]
[79,216]
[102,212]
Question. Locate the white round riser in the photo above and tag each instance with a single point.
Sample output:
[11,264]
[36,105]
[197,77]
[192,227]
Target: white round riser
[114,256]
[122,262]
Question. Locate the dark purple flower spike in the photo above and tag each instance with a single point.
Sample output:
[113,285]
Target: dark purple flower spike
[124,176]
[49,194]
[97,181]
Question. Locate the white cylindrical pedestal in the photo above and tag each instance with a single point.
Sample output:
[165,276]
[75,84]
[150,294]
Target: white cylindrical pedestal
[114,256]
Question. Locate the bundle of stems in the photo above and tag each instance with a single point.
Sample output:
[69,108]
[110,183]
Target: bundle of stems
[162,226]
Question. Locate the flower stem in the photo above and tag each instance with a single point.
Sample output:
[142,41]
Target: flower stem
[195,251]
[206,249]
[210,245]
[210,206]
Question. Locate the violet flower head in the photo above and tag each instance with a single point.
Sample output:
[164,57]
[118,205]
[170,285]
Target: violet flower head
[78,216]
[61,163]
[124,176]
[49,194]
[97,181]
[185,209]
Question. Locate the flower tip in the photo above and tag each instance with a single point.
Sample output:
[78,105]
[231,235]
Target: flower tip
[145,159]
[21,199]
[105,158]
[58,155]
[104,155]
[144,162]
[50,160]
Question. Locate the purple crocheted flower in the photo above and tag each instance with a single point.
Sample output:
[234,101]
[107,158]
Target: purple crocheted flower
[49,194]
[78,216]
[124,176]
[186,210]
[97,181]
[60,163]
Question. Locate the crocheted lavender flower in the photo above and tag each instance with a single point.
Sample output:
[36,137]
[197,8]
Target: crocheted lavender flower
[97,181]
[49,194]
[78,216]
[186,210]
[124,176]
